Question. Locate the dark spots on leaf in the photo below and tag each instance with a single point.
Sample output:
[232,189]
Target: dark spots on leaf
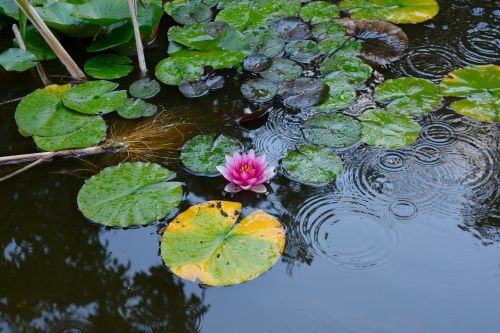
[211,205]
[218,255]
[237,212]
[201,242]
[223,213]
[227,263]
[219,204]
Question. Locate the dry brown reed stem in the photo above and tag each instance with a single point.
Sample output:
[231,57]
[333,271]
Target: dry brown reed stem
[132,4]
[39,24]
[22,45]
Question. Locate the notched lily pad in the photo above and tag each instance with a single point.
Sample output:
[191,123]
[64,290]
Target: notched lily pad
[202,154]
[409,96]
[397,11]
[257,63]
[291,28]
[205,244]
[130,194]
[265,42]
[259,90]
[332,130]
[303,92]
[319,11]
[388,130]
[108,66]
[89,135]
[95,97]
[312,165]
[144,88]
[191,13]
[340,95]
[282,70]
[135,108]
[303,51]
[348,69]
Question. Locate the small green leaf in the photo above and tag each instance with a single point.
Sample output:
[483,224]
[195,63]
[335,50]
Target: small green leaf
[144,88]
[340,95]
[282,70]
[312,165]
[389,130]
[202,154]
[108,66]
[319,11]
[348,69]
[134,108]
[266,42]
[241,16]
[483,107]
[89,135]
[95,97]
[191,13]
[17,60]
[409,96]
[259,90]
[332,130]
[130,194]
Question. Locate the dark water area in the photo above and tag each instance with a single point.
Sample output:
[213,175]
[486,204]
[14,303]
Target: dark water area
[406,240]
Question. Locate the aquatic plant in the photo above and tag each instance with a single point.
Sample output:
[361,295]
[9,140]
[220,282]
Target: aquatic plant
[246,171]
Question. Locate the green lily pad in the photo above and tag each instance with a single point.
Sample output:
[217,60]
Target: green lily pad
[191,13]
[282,70]
[108,66]
[303,51]
[312,165]
[409,96]
[101,12]
[319,11]
[332,130]
[144,88]
[325,30]
[17,60]
[481,87]
[115,35]
[203,154]
[130,194]
[134,108]
[389,130]
[280,8]
[205,244]
[348,69]
[259,90]
[266,42]
[193,36]
[89,135]
[95,97]
[42,113]
[483,107]
[340,95]
[397,11]
[241,16]
[471,80]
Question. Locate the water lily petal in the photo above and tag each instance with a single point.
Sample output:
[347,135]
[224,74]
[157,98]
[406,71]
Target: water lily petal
[259,188]
[232,188]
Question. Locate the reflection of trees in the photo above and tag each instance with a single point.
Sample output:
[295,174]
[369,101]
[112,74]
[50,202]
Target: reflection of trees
[53,266]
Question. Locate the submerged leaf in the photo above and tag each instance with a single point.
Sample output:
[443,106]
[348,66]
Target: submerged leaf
[205,244]
[202,154]
[409,96]
[130,194]
[389,130]
[312,165]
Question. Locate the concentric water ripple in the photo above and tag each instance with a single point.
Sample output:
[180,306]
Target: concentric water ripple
[430,62]
[73,326]
[438,133]
[270,143]
[480,45]
[346,230]
[286,125]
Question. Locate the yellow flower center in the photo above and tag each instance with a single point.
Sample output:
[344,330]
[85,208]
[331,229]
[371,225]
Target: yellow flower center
[247,168]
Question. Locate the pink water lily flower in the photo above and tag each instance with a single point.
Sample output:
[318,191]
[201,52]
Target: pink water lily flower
[246,172]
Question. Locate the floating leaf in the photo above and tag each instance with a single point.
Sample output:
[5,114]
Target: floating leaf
[205,244]
[192,36]
[471,80]
[312,165]
[340,95]
[194,89]
[241,16]
[42,113]
[215,82]
[215,29]
[95,97]
[101,12]
[397,11]
[191,13]
[89,135]
[303,92]
[481,86]
[319,11]
[332,130]
[257,63]
[259,90]
[265,42]
[280,8]
[409,96]
[133,109]
[116,34]
[348,69]
[108,66]
[303,51]
[130,194]
[383,42]
[389,130]
[17,60]
[291,28]
[144,88]
[282,70]
[327,30]
[202,154]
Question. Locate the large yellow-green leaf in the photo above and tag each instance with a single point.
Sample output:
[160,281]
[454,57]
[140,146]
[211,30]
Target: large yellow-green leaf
[397,11]
[130,194]
[205,244]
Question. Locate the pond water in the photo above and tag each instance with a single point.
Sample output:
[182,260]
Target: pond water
[406,240]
